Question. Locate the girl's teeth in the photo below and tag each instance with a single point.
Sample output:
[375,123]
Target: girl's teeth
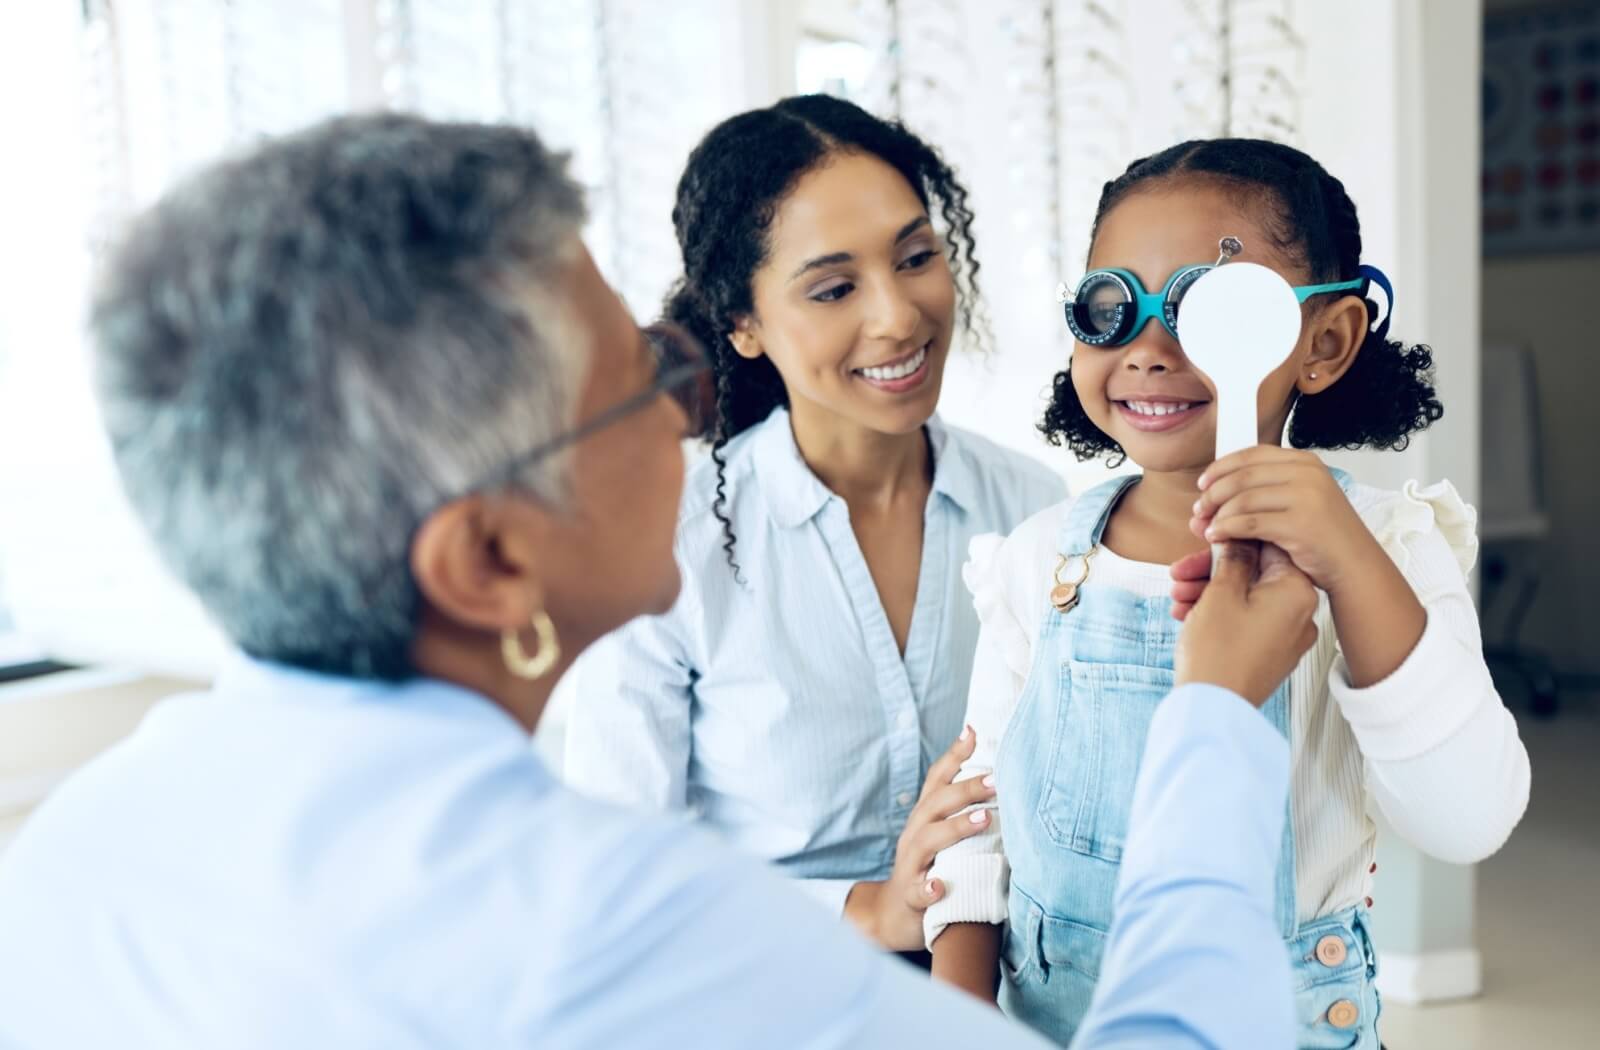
[900,371]
[1158,408]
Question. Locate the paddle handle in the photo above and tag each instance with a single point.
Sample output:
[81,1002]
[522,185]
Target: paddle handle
[1236,431]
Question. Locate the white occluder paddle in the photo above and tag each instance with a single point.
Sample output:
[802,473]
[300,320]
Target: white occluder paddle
[1238,323]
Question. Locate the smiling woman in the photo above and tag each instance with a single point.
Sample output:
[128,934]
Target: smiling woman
[832,519]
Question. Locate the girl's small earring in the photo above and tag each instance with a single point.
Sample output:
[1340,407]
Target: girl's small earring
[1313,375]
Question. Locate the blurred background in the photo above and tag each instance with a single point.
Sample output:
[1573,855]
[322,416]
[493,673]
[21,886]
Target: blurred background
[1466,131]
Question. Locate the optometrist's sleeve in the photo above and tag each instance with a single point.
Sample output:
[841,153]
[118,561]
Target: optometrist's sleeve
[668,939]
[830,893]
[628,734]
[1195,958]
[1443,757]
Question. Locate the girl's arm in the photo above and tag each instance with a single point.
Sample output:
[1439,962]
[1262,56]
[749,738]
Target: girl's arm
[967,955]
[963,928]
[1289,498]
[1444,759]
[1377,616]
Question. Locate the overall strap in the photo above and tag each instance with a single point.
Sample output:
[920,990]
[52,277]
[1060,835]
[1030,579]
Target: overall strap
[1086,521]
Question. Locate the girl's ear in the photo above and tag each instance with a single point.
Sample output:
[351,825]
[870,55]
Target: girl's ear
[1336,337]
[744,340]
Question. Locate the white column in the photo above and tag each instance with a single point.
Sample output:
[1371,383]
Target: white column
[1392,109]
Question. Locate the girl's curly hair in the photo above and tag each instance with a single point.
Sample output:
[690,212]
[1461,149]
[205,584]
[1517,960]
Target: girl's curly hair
[1386,396]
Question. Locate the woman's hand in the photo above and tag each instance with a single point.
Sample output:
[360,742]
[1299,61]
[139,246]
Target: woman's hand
[891,912]
[1287,498]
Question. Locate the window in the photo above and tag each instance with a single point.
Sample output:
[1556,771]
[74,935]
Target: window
[19,657]
[128,96]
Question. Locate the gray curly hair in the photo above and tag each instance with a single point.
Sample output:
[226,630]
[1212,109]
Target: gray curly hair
[303,352]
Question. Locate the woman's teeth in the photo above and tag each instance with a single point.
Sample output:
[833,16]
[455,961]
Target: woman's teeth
[1159,408]
[899,371]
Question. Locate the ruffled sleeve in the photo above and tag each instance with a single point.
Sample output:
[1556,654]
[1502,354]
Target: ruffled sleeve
[1401,519]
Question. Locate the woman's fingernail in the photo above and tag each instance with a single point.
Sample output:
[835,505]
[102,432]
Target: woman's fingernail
[966,733]
[988,781]
[1198,504]
[979,816]
[1211,534]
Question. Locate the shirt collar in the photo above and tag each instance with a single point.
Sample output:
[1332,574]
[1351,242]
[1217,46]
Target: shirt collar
[794,494]
[244,677]
[955,470]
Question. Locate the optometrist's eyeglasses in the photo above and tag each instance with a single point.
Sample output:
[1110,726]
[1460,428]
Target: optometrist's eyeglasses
[683,372]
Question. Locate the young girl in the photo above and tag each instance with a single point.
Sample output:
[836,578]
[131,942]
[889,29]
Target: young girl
[814,666]
[1078,629]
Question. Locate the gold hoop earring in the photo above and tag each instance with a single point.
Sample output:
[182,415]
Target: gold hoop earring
[534,667]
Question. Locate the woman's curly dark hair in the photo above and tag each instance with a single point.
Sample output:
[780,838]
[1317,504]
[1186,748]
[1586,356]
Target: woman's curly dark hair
[1386,396]
[735,181]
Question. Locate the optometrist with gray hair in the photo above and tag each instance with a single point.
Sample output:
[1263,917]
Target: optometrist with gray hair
[380,412]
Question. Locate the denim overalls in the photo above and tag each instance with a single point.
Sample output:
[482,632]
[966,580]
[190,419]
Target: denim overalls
[1066,772]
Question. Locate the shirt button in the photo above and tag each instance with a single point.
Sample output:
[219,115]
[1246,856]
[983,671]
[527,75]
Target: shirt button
[1343,1014]
[904,798]
[1331,951]
[908,720]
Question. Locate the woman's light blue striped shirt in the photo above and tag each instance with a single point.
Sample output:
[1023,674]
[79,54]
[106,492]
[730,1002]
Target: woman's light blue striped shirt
[779,709]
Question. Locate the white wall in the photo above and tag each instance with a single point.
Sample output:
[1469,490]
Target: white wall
[1393,110]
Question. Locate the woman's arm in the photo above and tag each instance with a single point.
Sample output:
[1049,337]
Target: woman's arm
[628,734]
[947,811]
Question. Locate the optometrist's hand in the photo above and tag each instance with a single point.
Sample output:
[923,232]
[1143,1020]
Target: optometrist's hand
[1289,498]
[890,912]
[1251,626]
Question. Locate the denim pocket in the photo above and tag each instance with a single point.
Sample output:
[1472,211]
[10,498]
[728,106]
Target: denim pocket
[1016,954]
[1055,995]
[1103,714]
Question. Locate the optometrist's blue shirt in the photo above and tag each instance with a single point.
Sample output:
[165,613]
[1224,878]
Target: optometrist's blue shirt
[298,861]
[775,704]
